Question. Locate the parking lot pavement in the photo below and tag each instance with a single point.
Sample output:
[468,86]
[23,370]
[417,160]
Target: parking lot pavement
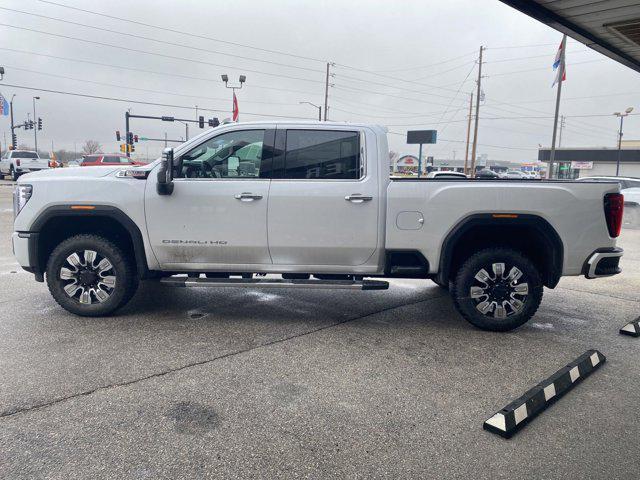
[234,383]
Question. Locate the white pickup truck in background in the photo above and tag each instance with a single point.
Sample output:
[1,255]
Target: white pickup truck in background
[16,162]
[313,204]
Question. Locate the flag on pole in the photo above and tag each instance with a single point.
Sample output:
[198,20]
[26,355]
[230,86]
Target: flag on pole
[559,65]
[4,106]
[236,111]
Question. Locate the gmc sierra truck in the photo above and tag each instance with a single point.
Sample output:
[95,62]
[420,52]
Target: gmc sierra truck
[308,205]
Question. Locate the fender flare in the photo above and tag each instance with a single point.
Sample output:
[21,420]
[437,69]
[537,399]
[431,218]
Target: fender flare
[65,211]
[487,219]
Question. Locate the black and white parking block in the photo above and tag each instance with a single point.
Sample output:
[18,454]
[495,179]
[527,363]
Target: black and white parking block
[522,410]
[632,328]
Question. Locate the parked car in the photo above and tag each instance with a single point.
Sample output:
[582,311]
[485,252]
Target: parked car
[107,159]
[321,211]
[16,162]
[487,174]
[629,186]
[447,175]
[515,175]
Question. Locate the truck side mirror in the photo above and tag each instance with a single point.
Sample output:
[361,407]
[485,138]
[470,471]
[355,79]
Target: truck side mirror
[165,174]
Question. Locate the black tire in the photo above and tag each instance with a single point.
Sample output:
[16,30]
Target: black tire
[89,274]
[505,305]
[14,175]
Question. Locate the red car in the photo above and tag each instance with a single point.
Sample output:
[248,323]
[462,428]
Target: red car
[107,159]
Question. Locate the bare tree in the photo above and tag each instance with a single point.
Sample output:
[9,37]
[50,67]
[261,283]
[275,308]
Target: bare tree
[91,146]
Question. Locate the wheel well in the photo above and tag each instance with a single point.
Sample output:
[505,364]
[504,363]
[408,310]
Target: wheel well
[531,235]
[57,229]
[59,224]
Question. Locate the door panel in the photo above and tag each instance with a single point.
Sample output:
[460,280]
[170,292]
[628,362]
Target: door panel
[217,213]
[323,221]
[203,222]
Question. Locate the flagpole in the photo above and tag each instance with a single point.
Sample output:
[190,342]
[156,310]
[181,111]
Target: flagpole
[552,156]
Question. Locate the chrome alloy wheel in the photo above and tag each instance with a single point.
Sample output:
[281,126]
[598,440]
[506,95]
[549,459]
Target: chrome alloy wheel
[499,295]
[88,277]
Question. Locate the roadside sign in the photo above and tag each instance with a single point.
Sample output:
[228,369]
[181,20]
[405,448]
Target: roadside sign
[582,165]
[422,136]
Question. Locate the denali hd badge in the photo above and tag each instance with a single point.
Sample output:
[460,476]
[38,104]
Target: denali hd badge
[196,242]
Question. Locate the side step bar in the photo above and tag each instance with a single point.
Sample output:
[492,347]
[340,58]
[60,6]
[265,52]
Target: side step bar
[274,283]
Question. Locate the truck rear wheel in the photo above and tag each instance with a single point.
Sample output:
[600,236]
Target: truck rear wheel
[497,289]
[89,275]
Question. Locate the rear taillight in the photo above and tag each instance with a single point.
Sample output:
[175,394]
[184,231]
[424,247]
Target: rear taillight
[613,211]
[17,162]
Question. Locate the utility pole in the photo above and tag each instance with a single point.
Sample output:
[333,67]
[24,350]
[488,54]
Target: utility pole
[552,155]
[475,128]
[466,155]
[326,91]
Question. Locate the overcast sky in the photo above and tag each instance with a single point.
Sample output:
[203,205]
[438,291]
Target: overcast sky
[422,55]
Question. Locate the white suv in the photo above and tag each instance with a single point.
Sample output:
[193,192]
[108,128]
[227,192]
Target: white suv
[16,162]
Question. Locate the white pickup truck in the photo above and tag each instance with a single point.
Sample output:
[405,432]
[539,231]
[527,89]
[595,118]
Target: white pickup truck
[16,162]
[308,205]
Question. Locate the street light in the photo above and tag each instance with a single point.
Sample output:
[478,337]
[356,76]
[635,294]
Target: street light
[621,116]
[241,79]
[317,106]
[35,130]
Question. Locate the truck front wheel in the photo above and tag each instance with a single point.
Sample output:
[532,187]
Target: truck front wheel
[497,289]
[89,275]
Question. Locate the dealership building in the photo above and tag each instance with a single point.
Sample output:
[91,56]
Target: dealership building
[585,162]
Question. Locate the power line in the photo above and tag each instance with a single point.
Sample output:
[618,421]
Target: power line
[133,69]
[404,89]
[181,45]
[189,34]
[507,147]
[543,68]
[388,95]
[162,55]
[423,66]
[514,59]
[140,102]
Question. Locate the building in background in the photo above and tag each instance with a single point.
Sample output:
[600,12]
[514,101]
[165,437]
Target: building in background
[585,162]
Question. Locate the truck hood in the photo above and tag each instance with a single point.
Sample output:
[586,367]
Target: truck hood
[70,172]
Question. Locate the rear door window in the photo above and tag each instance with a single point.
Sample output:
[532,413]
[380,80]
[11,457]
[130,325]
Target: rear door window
[322,154]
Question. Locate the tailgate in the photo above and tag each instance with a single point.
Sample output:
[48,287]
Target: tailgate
[33,163]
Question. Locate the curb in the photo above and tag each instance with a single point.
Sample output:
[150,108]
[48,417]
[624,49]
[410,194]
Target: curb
[521,411]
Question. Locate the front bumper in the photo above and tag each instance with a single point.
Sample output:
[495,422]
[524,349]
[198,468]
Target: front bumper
[604,262]
[24,249]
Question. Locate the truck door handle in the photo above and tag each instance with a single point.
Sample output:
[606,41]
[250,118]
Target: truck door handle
[247,197]
[357,198]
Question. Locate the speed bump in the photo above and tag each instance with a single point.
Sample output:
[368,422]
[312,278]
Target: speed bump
[518,413]
[632,328]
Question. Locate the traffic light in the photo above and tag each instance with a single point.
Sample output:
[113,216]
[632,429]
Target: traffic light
[135,138]
[201,121]
[118,135]
[131,148]
[30,124]
[123,148]
[130,138]
[214,122]
[39,123]
[14,140]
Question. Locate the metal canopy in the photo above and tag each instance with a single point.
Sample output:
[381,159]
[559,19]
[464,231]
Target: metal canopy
[611,27]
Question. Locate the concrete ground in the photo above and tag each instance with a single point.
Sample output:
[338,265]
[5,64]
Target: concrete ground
[233,383]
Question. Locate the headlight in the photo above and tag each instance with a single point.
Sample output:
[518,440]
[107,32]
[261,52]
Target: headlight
[21,195]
